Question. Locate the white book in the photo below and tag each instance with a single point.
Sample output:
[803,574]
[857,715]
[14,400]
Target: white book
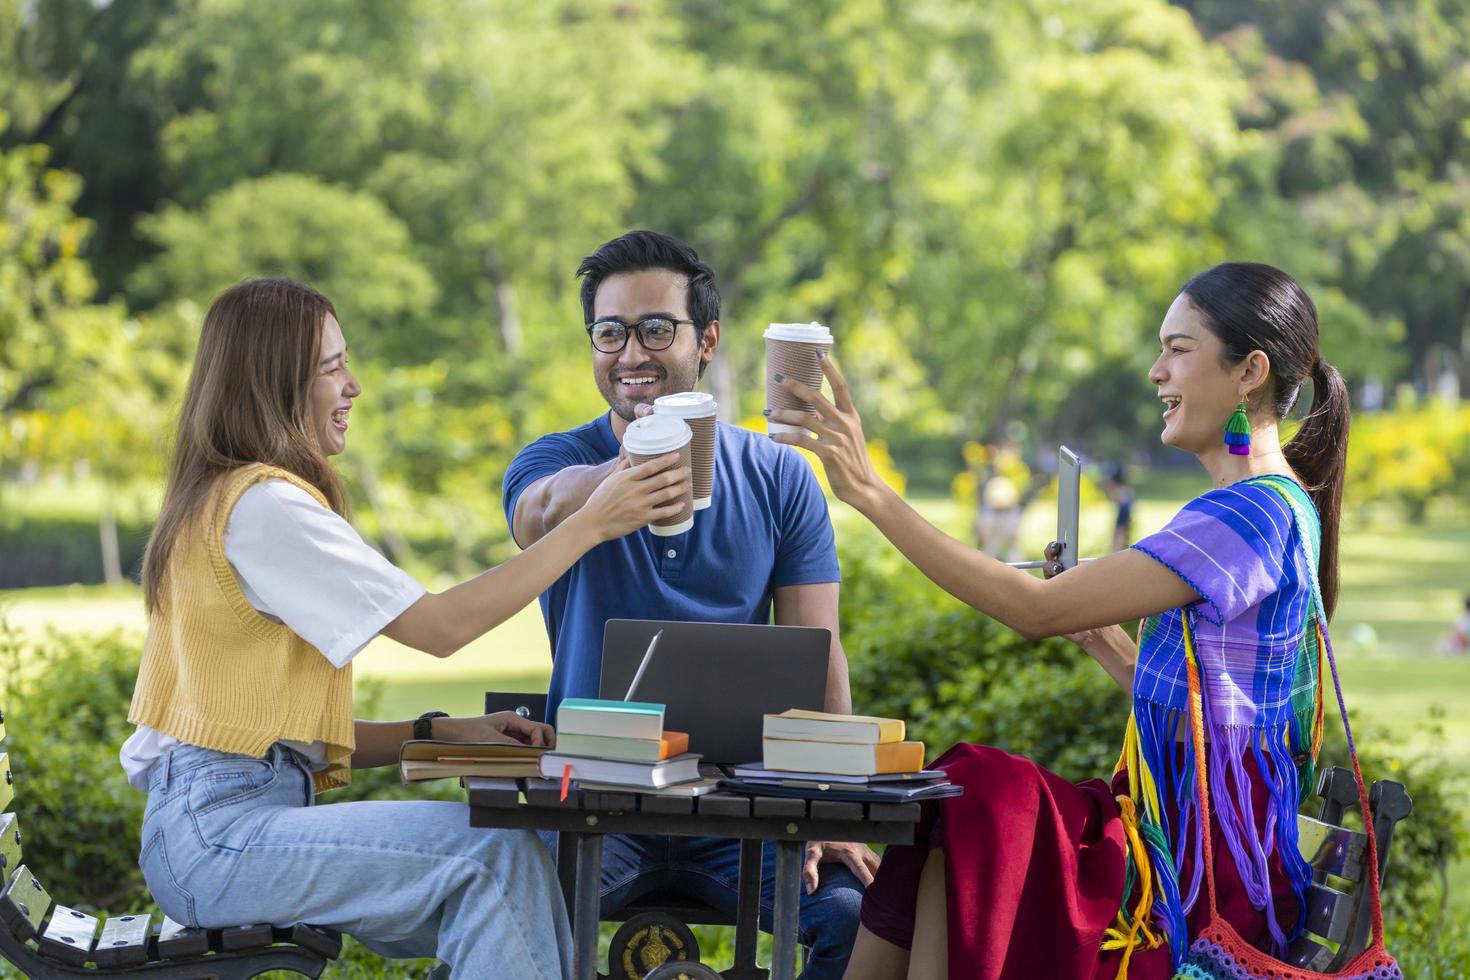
[624,775]
[697,788]
[841,758]
[822,726]
[615,719]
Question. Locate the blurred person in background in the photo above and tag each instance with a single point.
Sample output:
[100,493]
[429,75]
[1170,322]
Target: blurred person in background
[1457,641]
[1115,485]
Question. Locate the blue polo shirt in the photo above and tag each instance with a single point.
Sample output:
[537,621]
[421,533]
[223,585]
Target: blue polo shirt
[766,528]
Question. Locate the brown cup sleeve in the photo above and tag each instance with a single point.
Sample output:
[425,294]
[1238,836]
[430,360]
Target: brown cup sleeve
[688,508]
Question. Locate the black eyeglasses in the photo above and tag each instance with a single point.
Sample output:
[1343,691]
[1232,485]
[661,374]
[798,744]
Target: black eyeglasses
[654,333]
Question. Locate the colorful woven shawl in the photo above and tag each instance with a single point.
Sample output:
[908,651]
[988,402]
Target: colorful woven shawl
[1249,550]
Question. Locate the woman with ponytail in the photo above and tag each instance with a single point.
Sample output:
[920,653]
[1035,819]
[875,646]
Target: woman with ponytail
[1027,875]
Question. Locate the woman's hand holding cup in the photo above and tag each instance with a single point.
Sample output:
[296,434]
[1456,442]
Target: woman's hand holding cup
[838,432]
[634,495]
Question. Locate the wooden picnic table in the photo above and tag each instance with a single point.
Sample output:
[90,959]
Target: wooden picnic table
[585,816]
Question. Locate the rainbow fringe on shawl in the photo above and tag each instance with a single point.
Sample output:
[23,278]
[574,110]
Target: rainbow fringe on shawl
[1152,862]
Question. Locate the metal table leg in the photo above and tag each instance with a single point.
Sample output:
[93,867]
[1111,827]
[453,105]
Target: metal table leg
[586,906]
[788,904]
[748,914]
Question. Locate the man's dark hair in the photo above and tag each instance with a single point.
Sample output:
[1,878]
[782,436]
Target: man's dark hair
[639,250]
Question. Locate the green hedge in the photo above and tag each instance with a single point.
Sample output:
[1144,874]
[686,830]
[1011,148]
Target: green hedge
[56,550]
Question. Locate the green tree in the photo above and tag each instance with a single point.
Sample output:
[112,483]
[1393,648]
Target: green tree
[344,242]
[47,285]
[79,382]
[1357,110]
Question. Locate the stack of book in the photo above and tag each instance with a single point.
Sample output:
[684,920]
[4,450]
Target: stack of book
[423,759]
[808,753]
[618,745]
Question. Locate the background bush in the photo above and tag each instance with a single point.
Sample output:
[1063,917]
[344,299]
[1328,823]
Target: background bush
[60,550]
[958,676]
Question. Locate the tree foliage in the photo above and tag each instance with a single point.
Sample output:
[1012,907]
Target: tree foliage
[992,204]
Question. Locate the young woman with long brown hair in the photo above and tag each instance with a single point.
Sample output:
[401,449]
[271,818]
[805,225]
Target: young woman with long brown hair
[259,594]
[1028,875]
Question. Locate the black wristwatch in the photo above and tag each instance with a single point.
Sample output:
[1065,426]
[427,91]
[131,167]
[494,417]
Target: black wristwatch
[423,725]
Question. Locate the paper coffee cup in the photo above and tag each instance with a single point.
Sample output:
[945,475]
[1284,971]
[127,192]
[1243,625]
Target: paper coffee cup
[657,435]
[791,351]
[698,411]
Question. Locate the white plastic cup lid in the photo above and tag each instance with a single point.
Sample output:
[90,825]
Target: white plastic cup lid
[685,405]
[654,435]
[801,333]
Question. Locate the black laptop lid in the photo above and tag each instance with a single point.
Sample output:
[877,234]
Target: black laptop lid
[717,680]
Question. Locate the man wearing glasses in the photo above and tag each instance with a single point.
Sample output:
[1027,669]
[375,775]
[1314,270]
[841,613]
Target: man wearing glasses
[652,313]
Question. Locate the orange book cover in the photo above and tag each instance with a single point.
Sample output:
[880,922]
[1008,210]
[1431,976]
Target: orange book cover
[672,744]
[899,757]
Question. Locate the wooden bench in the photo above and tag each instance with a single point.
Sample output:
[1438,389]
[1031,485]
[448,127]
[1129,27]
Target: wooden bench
[47,940]
[1338,915]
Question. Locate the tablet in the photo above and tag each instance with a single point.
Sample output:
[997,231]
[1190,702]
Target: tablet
[1069,487]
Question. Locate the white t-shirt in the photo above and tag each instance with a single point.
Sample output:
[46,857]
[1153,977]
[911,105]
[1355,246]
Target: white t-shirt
[302,565]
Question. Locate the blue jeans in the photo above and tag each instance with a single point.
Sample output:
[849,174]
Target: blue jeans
[232,840]
[708,868]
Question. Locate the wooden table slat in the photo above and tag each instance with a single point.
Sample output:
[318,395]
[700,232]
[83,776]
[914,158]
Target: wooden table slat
[836,810]
[778,806]
[547,792]
[676,805]
[900,812]
[596,799]
[722,804]
[493,791]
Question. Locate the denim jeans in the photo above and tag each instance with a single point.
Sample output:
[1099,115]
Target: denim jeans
[235,840]
[708,868]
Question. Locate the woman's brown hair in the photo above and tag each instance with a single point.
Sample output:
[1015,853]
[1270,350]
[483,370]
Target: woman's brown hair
[1251,306]
[246,402]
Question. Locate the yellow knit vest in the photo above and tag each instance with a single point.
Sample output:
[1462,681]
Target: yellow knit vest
[218,674]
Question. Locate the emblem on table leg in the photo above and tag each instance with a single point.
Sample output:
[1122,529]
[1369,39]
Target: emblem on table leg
[648,941]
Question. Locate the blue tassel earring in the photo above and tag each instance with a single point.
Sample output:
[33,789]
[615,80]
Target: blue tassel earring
[1238,432]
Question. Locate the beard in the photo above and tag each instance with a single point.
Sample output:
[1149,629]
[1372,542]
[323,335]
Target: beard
[669,379]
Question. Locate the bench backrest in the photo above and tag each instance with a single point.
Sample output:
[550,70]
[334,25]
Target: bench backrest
[1337,921]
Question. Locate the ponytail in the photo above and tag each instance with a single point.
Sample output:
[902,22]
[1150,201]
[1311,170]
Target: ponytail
[1318,453]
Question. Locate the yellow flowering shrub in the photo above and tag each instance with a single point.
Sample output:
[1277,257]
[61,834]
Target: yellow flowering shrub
[1409,456]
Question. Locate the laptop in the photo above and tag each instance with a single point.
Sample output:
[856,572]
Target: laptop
[717,680]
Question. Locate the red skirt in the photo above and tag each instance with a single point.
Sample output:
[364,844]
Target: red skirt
[1034,871]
